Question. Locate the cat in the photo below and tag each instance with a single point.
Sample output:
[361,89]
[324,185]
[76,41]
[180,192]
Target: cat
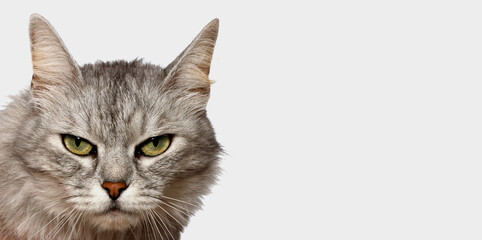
[110,150]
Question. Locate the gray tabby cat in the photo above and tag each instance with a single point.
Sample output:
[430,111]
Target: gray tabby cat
[111,150]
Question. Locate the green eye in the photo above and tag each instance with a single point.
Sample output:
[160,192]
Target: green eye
[155,146]
[76,145]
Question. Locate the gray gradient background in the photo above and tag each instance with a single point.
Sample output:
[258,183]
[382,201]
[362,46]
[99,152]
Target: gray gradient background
[342,119]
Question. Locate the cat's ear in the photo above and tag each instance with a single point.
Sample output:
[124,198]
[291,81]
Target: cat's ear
[53,65]
[190,70]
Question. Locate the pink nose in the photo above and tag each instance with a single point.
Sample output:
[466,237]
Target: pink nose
[114,189]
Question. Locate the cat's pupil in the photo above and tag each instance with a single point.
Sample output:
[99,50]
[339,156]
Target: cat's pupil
[155,141]
[77,141]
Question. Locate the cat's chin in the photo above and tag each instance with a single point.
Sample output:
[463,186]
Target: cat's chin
[114,220]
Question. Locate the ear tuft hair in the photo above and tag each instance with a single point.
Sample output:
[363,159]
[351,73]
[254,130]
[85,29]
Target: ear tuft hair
[191,68]
[52,63]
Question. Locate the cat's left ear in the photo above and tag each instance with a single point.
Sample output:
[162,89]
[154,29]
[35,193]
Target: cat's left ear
[190,70]
[53,65]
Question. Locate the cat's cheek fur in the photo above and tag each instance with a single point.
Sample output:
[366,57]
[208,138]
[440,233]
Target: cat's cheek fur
[94,200]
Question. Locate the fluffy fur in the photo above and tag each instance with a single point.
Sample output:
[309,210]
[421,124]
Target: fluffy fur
[49,193]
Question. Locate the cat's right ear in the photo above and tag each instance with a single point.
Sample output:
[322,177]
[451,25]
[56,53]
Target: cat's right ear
[189,72]
[53,66]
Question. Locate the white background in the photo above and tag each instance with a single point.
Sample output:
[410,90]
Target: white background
[342,119]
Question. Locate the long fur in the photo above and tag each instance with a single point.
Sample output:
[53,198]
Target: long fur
[49,193]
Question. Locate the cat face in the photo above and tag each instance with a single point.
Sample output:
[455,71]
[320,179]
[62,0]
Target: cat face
[120,143]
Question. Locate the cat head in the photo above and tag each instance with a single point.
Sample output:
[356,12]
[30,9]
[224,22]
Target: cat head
[119,142]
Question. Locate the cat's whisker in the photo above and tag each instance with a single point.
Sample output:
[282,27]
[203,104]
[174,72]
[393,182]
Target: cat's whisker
[50,222]
[61,224]
[179,200]
[67,222]
[95,235]
[41,210]
[151,225]
[173,206]
[165,226]
[58,225]
[74,224]
[175,219]
[155,228]
[154,222]
[144,225]
[132,231]
[176,207]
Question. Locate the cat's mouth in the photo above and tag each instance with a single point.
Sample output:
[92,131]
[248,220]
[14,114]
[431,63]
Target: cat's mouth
[114,210]
[114,218]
